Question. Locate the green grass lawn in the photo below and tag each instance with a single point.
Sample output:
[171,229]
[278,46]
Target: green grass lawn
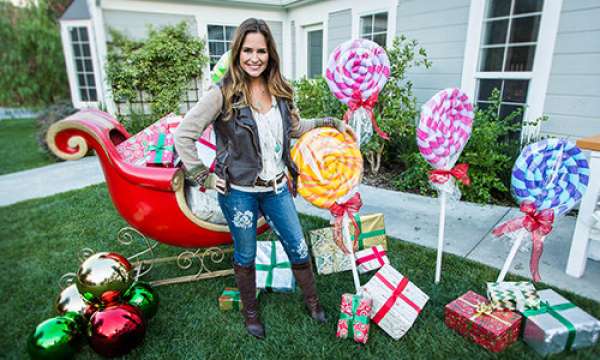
[40,240]
[19,149]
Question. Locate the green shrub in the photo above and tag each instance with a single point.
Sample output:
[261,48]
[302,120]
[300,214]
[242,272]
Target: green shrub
[396,111]
[315,100]
[161,66]
[31,56]
[490,153]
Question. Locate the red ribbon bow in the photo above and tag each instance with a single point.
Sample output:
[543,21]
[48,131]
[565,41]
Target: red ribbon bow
[460,172]
[396,294]
[538,223]
[356,101]
[337,210]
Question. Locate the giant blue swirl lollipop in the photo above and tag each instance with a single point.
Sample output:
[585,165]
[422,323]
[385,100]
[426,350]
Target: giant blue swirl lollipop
[552,173]
[548,179]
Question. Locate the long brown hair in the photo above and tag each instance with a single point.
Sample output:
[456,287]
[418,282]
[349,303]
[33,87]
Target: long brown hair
[235,85]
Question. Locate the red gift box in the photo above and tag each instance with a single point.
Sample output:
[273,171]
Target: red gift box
[472,316]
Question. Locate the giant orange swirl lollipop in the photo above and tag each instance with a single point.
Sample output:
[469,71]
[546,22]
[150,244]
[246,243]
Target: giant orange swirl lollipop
[330,166]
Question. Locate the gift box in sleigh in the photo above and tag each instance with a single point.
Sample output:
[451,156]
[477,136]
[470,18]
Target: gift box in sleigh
[151,199]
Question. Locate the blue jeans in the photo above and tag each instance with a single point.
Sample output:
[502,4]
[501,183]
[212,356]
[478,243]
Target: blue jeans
[242,210]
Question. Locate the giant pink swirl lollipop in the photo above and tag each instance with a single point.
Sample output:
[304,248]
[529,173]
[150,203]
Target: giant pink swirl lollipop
[356,72]
[443,132]
[445,127]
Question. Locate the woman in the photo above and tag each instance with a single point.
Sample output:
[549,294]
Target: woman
[253,120]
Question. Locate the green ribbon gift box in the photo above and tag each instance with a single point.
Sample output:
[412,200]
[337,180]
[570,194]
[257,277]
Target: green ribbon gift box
[160,150]
[273,268]
[327,255]
[372,231]
[558,325]
[355,311]
[230,299]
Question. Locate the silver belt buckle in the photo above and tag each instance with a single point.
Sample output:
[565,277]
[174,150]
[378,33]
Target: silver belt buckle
[274,182]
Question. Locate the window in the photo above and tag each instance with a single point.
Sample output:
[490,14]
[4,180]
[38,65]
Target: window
[315,53]
[374,27]
[84,69]
[219,41]
[508,45]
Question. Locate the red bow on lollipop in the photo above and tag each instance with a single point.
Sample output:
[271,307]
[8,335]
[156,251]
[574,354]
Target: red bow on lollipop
[337,210]
[356,102]
[538,223]
[460,172]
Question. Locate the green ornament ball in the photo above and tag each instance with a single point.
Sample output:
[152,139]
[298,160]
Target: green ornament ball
[144,297]
[55,338]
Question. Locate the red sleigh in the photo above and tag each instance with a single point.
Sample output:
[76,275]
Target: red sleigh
[151,199]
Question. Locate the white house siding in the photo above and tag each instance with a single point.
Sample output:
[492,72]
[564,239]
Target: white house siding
[339,28]
[573,95]
[135,24]
[440,26]
[277,32]
[344,16]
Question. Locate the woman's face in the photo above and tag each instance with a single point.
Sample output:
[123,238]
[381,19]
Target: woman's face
[254,56]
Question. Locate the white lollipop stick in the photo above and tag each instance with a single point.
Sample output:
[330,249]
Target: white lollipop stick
[350,247]
[440,247]
[511,255]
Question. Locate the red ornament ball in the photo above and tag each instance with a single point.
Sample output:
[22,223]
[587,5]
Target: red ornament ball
[116,330]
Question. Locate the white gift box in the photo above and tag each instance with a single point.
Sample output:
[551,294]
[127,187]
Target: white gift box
[273,268]
[397,302]
[371,259]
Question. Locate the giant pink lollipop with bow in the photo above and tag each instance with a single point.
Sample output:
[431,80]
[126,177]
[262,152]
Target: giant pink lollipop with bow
[443,131]
[356,72]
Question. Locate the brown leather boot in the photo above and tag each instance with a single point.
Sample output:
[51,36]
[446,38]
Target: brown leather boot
[306,279]
[245,277]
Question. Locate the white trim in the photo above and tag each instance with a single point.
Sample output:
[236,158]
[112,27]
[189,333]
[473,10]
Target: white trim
[304,47]
[389,36]
[540,74]
[543,60]
[207,78]
[468,81]
[69,61]
[102,53]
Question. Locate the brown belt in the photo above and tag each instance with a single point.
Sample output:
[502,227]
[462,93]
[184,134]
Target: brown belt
[264,183]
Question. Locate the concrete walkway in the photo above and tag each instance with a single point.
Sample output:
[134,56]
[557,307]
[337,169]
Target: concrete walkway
[408,217]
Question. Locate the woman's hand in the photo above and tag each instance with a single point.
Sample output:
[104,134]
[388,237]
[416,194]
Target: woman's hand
[203,178]
[344,129]
[216,183]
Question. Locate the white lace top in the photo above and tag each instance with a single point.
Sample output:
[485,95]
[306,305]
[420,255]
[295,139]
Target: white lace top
[270,135]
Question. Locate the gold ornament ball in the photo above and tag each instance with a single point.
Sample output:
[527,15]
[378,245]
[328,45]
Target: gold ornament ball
[103,272]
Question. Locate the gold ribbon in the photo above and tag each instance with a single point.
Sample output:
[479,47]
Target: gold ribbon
[483,309]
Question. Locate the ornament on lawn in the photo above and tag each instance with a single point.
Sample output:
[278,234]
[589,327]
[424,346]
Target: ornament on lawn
[548,179]
[220,68]
[55,338]
[116,330]
[144,297]
[70,300]
[101,272]
[443,131]
[330,166]
[356,72]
